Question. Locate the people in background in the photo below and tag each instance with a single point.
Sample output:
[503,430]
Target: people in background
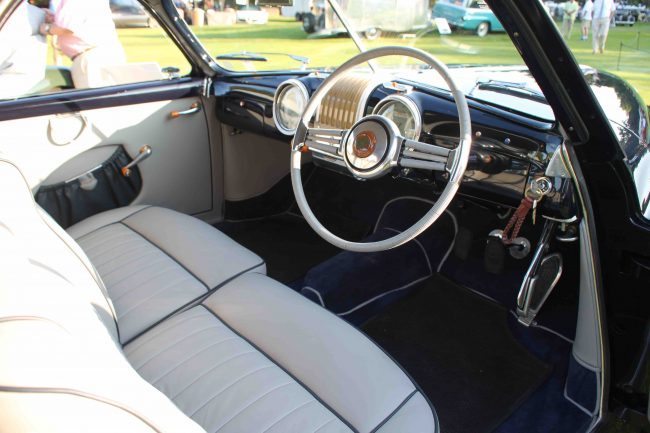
[22,52]
[585,17]
[602,13]
[85,33]
[571,9]
[612,19]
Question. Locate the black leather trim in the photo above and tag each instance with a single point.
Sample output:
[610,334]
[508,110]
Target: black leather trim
[77,393]
[192,302]
[401,405]
[309,390]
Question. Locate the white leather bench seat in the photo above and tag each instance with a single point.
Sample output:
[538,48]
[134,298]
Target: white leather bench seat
[256,355]
[250,355]
[154,261]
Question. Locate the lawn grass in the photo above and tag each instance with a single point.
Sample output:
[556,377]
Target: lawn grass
[286,36]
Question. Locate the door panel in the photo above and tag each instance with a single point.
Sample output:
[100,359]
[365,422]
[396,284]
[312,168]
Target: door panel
[56,147]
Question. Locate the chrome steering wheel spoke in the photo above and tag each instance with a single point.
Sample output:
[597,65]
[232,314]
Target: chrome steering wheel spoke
[373,147]
[416,154]
[328,142]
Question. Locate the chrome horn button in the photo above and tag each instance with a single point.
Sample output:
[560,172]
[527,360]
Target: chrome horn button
[370,147]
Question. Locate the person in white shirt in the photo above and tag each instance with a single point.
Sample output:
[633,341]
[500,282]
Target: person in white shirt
[585,16]
[86,34]
[22,52]
[602,12]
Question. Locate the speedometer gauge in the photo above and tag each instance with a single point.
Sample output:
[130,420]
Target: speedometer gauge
[403,112]
[288,104]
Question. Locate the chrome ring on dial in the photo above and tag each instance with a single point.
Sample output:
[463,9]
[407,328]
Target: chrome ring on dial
[287,113]
[415,116]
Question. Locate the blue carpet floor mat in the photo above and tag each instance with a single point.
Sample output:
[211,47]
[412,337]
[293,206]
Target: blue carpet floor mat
[357,286]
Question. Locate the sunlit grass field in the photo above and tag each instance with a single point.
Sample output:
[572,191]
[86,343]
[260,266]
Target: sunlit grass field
[282,35]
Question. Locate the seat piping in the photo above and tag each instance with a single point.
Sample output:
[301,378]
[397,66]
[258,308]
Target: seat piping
[190,303]
[113,222]
[397,409]
[207,288]
[305,387]
[83,394]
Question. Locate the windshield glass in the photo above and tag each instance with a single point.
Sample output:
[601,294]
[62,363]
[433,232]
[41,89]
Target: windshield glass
[308,35]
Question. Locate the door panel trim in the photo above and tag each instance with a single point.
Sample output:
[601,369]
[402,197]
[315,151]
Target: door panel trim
[104,97]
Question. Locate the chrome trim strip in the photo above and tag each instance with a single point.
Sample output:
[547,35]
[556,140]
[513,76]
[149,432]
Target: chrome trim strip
[574,218]
[424,165]
[431,149]
[426,156]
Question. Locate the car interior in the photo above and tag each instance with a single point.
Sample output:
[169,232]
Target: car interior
[173,260]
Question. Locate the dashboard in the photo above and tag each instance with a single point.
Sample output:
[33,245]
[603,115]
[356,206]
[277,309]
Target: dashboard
[509,149]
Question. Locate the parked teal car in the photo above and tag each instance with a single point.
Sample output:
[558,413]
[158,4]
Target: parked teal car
[473,15]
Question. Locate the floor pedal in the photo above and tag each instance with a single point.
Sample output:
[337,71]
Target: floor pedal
[495,255]
[537,290]
[463,243]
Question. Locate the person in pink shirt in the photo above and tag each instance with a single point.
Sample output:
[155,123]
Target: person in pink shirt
[86,34]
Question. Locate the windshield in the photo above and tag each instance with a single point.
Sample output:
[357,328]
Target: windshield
[308,35]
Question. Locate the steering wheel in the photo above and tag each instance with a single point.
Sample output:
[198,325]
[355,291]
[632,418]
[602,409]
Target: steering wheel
[373,147]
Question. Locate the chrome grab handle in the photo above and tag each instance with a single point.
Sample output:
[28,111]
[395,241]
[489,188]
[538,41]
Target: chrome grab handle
[144,153]
[194,108]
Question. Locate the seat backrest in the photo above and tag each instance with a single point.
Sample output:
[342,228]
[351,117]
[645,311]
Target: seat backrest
[62,368]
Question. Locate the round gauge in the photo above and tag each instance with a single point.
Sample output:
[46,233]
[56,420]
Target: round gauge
[403,112]
[289,102]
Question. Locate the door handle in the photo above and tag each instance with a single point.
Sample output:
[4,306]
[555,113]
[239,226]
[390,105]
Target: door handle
[144,153]
[194,108]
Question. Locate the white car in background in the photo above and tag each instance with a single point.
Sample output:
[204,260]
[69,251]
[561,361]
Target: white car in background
[252,14]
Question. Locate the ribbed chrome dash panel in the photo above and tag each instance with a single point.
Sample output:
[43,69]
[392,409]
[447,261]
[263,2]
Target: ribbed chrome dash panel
[345,102]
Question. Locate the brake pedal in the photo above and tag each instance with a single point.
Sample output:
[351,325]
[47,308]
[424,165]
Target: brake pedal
[494,257]
[463,243]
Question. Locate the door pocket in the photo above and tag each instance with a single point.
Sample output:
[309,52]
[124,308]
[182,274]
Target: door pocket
[100,189]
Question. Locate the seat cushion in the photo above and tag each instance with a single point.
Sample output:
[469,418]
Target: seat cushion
[61,368]
[154,261]
[256,356]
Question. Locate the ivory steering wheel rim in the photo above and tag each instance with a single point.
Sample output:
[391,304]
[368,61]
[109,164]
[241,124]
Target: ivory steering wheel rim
[350,142]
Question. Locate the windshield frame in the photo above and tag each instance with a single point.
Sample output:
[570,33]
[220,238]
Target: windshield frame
[550,62]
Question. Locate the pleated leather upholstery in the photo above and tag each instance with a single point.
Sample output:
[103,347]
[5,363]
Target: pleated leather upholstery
[147,276]
[249,355]
[222,382]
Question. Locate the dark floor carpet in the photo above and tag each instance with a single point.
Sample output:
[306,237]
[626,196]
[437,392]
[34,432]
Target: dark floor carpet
[286,242]
[457,347]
